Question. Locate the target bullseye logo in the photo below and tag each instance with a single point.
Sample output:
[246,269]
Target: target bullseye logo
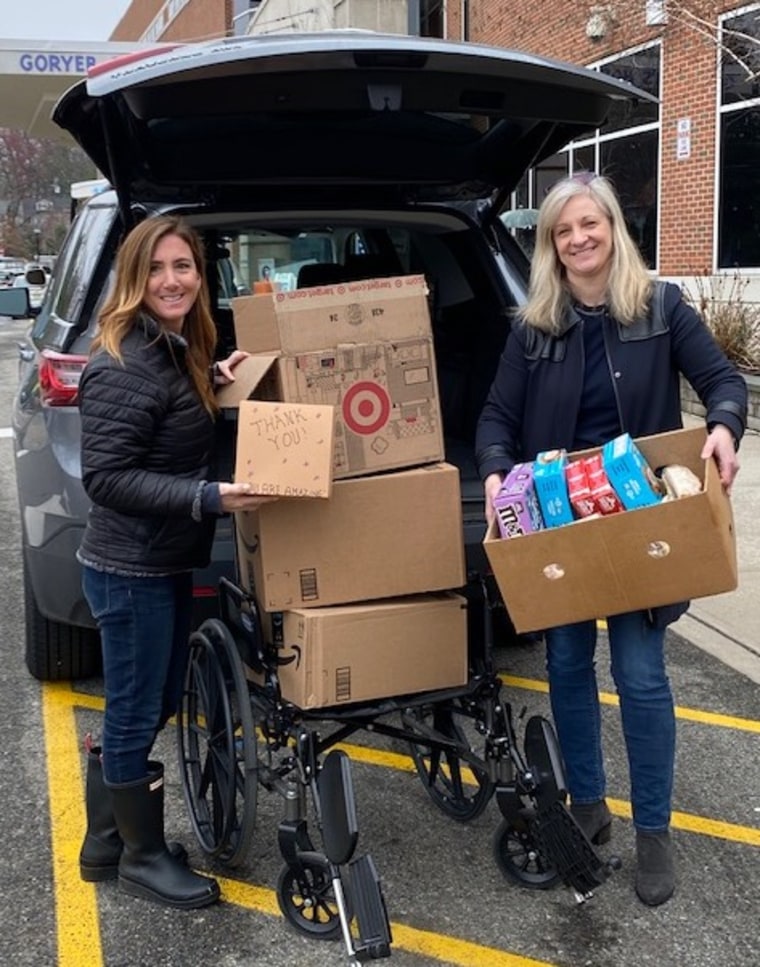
[366,408]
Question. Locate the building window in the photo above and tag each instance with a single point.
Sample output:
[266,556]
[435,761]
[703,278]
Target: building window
[739,165]
[626,150]
[432,18]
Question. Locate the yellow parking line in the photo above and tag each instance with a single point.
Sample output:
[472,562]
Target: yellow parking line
[686,821]
[75,901]
[689,822]
[682,712]
[436,946]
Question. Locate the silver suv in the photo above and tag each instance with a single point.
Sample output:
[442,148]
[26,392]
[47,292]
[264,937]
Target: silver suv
[301,159]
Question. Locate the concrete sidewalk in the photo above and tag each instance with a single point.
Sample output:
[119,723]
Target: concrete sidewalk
[728,625]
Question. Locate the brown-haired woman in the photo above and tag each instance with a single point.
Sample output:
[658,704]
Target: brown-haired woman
[147,406]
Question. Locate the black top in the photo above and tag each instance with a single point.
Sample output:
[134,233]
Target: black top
[598,419]
[147,446]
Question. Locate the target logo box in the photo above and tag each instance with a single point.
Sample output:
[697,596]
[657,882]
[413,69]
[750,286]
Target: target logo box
[364,348]
[385,398]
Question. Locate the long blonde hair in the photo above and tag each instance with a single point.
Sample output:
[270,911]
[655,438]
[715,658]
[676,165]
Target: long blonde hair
[125,300]
[629,287]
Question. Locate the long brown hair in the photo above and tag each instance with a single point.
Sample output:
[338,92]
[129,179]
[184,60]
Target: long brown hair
[125,300]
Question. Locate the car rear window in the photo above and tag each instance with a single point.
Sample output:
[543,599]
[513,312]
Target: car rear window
[77,262]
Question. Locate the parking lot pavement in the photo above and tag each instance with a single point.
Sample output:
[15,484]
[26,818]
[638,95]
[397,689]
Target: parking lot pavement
[728,625]
[447,900]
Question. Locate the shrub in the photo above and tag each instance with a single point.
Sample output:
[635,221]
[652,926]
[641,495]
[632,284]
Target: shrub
[732,319]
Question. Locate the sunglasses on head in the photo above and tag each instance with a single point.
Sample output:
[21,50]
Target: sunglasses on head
[580,177]
[584,177]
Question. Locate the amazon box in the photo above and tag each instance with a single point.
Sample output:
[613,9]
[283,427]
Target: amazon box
[365,348]
[638,559]
[362,652]
[376,537]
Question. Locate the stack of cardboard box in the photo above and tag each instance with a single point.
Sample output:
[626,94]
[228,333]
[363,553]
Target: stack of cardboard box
[339,416]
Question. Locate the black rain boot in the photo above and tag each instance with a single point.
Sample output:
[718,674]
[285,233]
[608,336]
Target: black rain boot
[147,869]
[102,846]
[101,849]
[595,819]
[655,867]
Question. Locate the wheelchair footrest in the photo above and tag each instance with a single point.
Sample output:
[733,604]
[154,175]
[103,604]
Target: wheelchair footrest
[565,846]
[374,939]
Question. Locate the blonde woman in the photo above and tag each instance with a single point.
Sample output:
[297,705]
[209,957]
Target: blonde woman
[599,350]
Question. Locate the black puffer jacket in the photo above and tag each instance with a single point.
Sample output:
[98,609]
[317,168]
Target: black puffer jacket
[147,444]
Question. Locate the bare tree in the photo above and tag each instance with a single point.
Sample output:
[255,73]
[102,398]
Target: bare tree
[35,175]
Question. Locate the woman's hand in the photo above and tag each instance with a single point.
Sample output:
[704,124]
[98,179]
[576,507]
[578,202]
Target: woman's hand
[492,486]
[720,445]
[223,367]
[238,496]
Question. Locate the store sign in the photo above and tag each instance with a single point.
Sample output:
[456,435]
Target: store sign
[36,62]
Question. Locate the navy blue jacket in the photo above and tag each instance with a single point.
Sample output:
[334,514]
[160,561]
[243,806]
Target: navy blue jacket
[147,444]
[534,401]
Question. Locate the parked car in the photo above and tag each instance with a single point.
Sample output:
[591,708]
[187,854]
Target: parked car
[361,154]
[35,279]
[10,268]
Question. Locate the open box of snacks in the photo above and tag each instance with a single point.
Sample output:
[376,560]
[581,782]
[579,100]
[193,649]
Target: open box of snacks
[665,549]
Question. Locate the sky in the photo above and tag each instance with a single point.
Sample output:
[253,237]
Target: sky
[60,19]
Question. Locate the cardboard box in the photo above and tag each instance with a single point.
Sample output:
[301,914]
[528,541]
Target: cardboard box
[285,449]
[357,653]
[636,559]
[365,348]
[304,320]
[376,537]
[385,397]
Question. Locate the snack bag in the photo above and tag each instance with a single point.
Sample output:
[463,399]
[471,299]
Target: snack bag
[680,481]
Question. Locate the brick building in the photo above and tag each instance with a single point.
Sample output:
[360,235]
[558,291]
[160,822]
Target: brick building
[176,20]
[687,166]
[688,171]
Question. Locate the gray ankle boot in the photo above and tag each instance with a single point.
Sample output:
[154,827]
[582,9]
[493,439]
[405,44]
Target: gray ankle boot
[595,819]
[655,867]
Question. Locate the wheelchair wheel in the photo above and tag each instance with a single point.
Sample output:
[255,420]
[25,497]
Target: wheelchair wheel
[519,858]
[307,900]
[217,745]
[458,789]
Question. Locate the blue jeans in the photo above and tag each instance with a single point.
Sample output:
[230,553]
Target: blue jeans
[145,625]
[646,709]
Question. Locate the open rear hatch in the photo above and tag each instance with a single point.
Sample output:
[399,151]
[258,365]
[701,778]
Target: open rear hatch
[303,119]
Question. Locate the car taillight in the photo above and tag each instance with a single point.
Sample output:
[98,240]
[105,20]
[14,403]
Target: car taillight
[59,375]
